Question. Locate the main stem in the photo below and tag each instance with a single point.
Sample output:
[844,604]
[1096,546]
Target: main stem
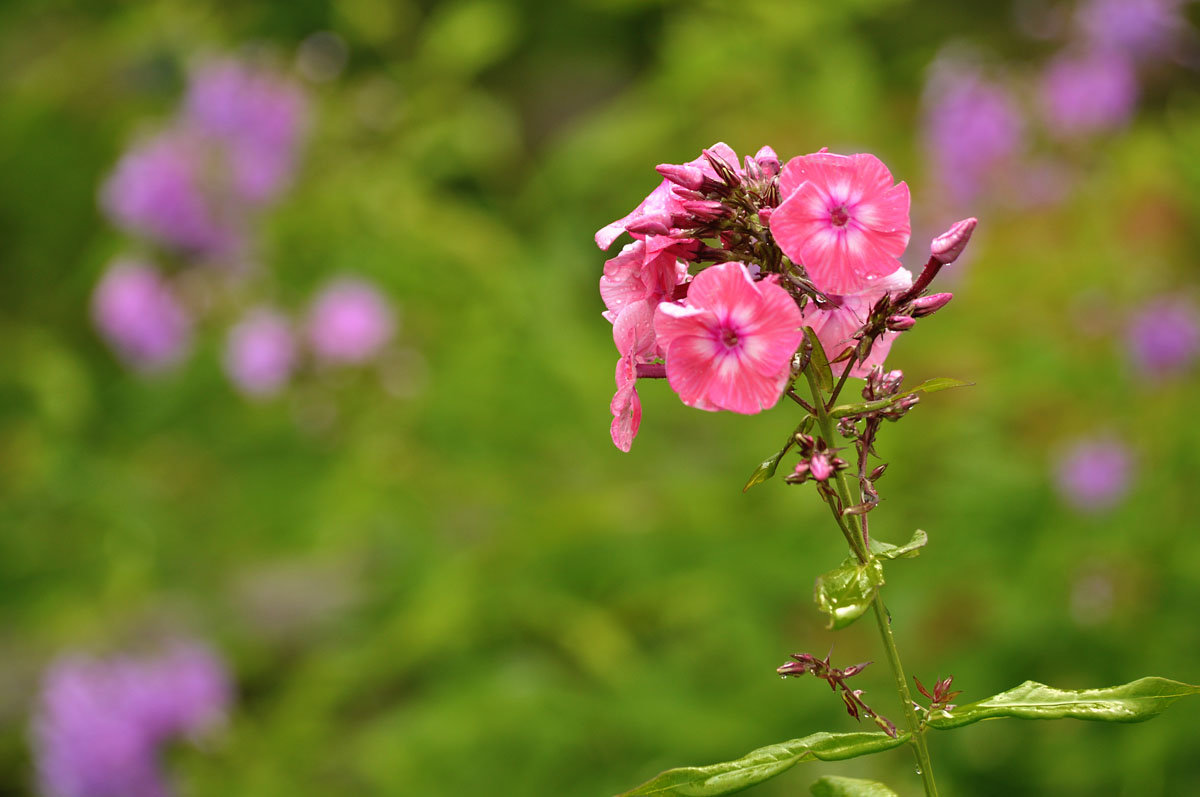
[859,547]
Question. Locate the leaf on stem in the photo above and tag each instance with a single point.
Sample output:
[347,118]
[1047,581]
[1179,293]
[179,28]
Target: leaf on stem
[834,786]
[846,592]
[928,386]
[763,764]
[818,363]
[908,550]
[766,470]
[1136,701]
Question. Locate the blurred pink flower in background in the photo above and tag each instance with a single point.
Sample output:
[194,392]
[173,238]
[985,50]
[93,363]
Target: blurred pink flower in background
[160,190]
[1083,93]
[1164,336]
[1093,474]
[100,725]
[730,346]
[257,116]
[134,309]
[349,322]
[1144,29]
[260,353]
[842,218]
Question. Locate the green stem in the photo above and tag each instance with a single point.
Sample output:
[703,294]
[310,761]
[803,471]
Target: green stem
[859,547]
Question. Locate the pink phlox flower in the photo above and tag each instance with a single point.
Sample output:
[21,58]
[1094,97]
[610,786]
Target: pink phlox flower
[633,332]
[835,326]
[645,269]
[662,203]
[841,218]
[729,346]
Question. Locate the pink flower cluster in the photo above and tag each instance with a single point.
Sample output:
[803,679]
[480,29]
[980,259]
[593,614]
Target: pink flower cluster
[812,243]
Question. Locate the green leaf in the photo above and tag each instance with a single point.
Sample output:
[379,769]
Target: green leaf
[763,764]
[819,363]
[928,386]
[766,470]
[908,550]
[1132,702]
[846,592]
[834,786]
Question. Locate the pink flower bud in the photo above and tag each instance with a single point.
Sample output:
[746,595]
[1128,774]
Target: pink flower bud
[821,468]
[682,175]
[764,215]
[706,210]
[899,323]
[650,225]
[928,305]
[946,248]
[753,170]
[768,161]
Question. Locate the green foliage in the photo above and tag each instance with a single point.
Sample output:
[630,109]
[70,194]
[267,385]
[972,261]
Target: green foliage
[1136,701]
[835,786]
[845,593]
[818,364]
[928,386]
[762,764]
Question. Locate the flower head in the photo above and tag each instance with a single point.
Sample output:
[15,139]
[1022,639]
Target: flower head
[260,353]
[1164,336]
[1086,93]
[729,346]
[1141,28]
[349,322]
[842,219]
[134,309]
[1093,474]
[645,269]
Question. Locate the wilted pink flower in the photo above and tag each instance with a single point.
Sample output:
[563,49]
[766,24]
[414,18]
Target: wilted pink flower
[836,326]
[1164,336]
[1093,474]
[645,269]
[257,116]
[841,218]
[101,724]
[662,204]
[1089,92]
[349,322]
[730,345]
[134,309]
[633,333]
[260,353]
[158,190]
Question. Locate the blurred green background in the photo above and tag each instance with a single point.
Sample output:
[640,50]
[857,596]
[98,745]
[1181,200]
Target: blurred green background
[468,590]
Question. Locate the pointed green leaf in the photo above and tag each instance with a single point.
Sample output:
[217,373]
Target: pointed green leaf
[846,592]
[819,363]
[766,470]
[928,386]
[834,786]
[1132,702]
[763,764]
[908,550]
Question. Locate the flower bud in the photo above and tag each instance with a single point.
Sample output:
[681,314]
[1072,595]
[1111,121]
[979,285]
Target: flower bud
[768,161]
[764,215]
[706,210]
[879,471]
[899,323]
[649,225]
[682,175]
[928,305]
[725,170]
[820,466]
[946,248]
[753,170]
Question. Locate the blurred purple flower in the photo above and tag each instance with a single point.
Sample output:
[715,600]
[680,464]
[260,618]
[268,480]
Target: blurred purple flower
[1144,29]
[100,724]
[1088,92]
[157,190]
[1164,336]
[260,353]
[1093,474]
[349,322]
[257,116]
[973,129]
[134,309]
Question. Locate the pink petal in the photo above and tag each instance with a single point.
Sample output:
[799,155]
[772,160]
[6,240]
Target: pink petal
[691,368]
[673,321]
[633,330]
[738,388]
[626,406]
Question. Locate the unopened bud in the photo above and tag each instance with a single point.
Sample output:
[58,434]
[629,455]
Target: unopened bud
[654,224]
[764,215]
[928,305]
[725,170]
[949,245]
[899,323]
[768,161]
[682,175]
[706,210]
[821,467]
[753,170]
[879,471]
